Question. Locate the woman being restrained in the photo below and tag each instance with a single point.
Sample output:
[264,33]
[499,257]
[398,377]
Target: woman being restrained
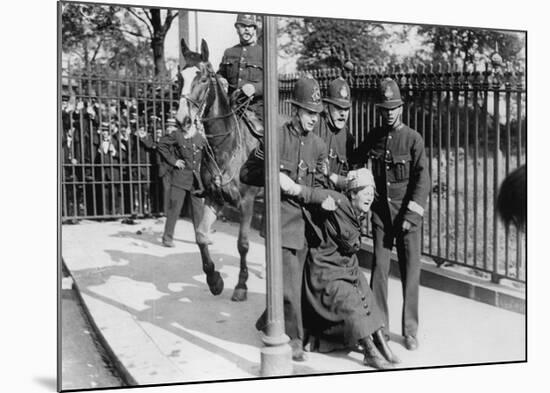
[338,306]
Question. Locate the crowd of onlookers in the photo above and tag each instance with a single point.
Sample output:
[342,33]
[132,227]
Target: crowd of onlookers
[110,167]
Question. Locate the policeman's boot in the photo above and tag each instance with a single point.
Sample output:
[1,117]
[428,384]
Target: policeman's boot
[382,344]
[373,357]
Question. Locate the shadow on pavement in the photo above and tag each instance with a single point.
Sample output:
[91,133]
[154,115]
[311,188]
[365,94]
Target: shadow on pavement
[184,300]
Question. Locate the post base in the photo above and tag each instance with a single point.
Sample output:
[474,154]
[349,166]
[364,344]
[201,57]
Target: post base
[276,360]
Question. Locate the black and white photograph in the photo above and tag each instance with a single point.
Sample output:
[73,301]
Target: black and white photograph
[253,197]
[248,196]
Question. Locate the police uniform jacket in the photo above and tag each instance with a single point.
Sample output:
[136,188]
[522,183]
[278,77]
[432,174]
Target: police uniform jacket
[339,300]
[400,172]
[339,145]
[243,64]
[175,147]
[163,166]
[302,156]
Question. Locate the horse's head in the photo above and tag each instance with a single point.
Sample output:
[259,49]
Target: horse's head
[197,84]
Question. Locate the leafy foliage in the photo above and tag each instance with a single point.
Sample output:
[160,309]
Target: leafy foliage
[325,39]
[473,45]
[130,36]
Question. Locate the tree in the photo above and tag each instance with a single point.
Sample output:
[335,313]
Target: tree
[323,37]
[156,29]
[119,35]
[473,45]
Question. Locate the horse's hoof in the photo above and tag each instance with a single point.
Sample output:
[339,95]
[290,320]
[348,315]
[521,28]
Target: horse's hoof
[215,283]
[239,295]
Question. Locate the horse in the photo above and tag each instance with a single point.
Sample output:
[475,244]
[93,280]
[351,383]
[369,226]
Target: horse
[512,198]
[204,103]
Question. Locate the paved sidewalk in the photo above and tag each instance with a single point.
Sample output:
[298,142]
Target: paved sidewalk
[154,309]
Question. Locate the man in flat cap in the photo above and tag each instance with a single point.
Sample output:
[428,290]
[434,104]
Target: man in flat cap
[242,67]
[333,129]
[302,158]
[400,171]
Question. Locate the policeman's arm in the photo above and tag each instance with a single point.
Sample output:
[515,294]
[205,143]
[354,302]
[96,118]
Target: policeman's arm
[358,157]
[164,147]
[258,88]
[321,165]
[419,183]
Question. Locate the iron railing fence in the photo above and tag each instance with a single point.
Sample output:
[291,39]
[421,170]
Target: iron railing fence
[114,174]
[473,122]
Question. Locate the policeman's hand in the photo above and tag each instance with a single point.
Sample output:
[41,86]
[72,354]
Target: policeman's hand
[285,182]
[329,204]
[180,164]
[224,83]
[248,89]
[333,177]
[141,132]
[406,226]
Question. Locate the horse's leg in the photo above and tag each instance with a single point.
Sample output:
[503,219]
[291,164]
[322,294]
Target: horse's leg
[247,211]
[203,223]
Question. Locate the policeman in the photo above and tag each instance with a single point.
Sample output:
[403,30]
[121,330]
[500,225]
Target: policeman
[242,66]
[182,149]
[333,129]
[402,181]
[163,166]
[302,158]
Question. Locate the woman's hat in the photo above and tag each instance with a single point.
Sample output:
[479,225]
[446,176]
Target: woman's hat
[360,178]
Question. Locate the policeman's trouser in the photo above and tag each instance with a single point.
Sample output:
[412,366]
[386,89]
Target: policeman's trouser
[408,252]
[165,193]
[293,271]
[177,198]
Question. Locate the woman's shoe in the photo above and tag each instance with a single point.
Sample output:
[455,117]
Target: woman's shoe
[381,343]
[373,357]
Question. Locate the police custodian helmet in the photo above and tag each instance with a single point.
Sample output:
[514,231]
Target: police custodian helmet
[307,94]
[390,96]
[246,20]
[338,94]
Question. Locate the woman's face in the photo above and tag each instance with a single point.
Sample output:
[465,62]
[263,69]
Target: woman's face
[362,200]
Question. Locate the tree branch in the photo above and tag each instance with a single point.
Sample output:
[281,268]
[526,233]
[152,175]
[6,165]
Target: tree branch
[135,34]
[97,49]
[168,21]
[141,19]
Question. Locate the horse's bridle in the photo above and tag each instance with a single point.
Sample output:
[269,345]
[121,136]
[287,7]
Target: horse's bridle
[199,123]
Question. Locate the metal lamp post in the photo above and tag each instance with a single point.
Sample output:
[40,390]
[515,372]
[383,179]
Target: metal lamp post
[276,353]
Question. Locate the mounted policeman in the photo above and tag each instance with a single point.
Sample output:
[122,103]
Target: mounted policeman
[242,69]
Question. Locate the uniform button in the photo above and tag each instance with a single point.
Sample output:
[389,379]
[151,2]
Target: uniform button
[387,151]
[368,313]
[388,167]
[240,69]
[389,199]
[302,143]
[364,306]
[282,166]
[244,49]
[389,137]
[389,183]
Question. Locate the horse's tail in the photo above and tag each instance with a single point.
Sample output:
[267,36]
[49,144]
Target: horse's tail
[512,198]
